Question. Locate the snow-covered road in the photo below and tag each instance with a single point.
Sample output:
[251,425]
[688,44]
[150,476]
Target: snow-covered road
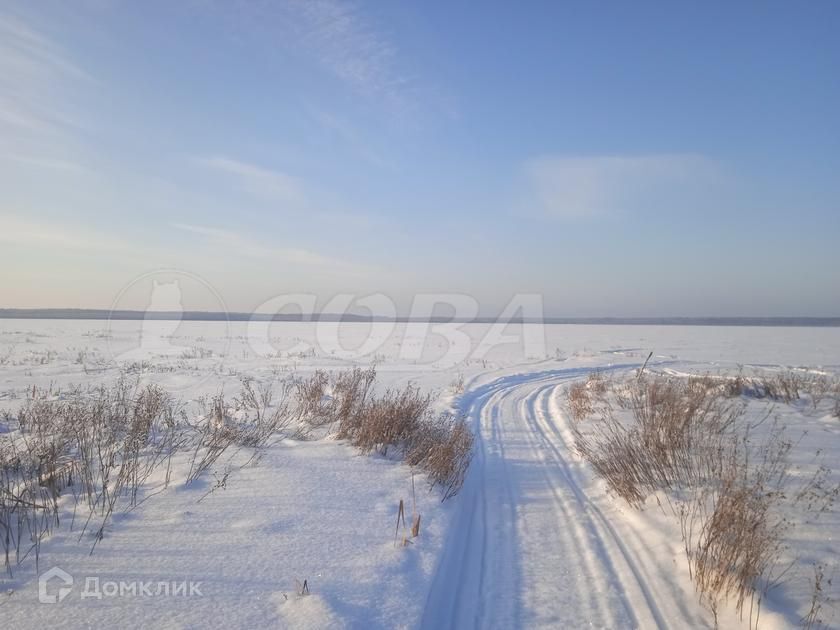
[528,547]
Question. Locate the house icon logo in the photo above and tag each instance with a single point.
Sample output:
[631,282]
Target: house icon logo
[55,574]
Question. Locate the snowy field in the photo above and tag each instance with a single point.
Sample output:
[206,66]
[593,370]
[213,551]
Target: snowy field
[533,539]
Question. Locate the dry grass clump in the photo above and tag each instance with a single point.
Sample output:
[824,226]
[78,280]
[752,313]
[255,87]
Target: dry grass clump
[254,419]
[214,437]
[312,400]
[787,386]
[399,419]
[731,492]
[583,395]
[103,444]
[738,544]
[458,384]
[579,401]
[734,529]
[819,597]
[442,446]
[678,428]
[820,386]
[393,419]
[351,394]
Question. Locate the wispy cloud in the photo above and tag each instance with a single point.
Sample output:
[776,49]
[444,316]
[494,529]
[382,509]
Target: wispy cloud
[568,187]
[49,236]
[347,133]
[286,192]
[40,85]
[347,45]
[28,51]
[33,68]
[257,180]
[42,162]
[240,245]
[343,40]
[21,231]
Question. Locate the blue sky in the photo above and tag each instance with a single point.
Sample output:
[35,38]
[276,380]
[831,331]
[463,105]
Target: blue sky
[621,159]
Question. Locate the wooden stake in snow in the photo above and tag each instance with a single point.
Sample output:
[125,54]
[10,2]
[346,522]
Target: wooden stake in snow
[415,517]
[400,517]
[413,498]
[644,365]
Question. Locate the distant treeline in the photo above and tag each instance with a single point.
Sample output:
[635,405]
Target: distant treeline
[74,313]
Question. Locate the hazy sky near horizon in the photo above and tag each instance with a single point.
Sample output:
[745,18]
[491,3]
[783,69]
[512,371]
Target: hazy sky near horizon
[621,159]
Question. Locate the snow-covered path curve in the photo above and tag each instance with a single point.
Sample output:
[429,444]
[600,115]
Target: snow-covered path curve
[527,547]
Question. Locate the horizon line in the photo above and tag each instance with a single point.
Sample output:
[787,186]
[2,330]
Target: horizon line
[133,315]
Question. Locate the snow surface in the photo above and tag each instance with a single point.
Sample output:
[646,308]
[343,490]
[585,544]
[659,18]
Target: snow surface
[532,540]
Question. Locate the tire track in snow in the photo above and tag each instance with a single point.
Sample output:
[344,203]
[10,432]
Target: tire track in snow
[581,529]
[526,546]
[595,520]
[657,588]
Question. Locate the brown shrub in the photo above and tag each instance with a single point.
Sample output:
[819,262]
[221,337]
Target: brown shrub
[578,400]
[731,492]
[582,396]
[741,531]
[390,420]
[787,386]
[448,457]
[312,401]
[351,391]
[399,419]
[818,386]
[677,430]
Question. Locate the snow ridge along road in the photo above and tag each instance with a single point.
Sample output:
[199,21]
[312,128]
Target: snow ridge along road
[527,546]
